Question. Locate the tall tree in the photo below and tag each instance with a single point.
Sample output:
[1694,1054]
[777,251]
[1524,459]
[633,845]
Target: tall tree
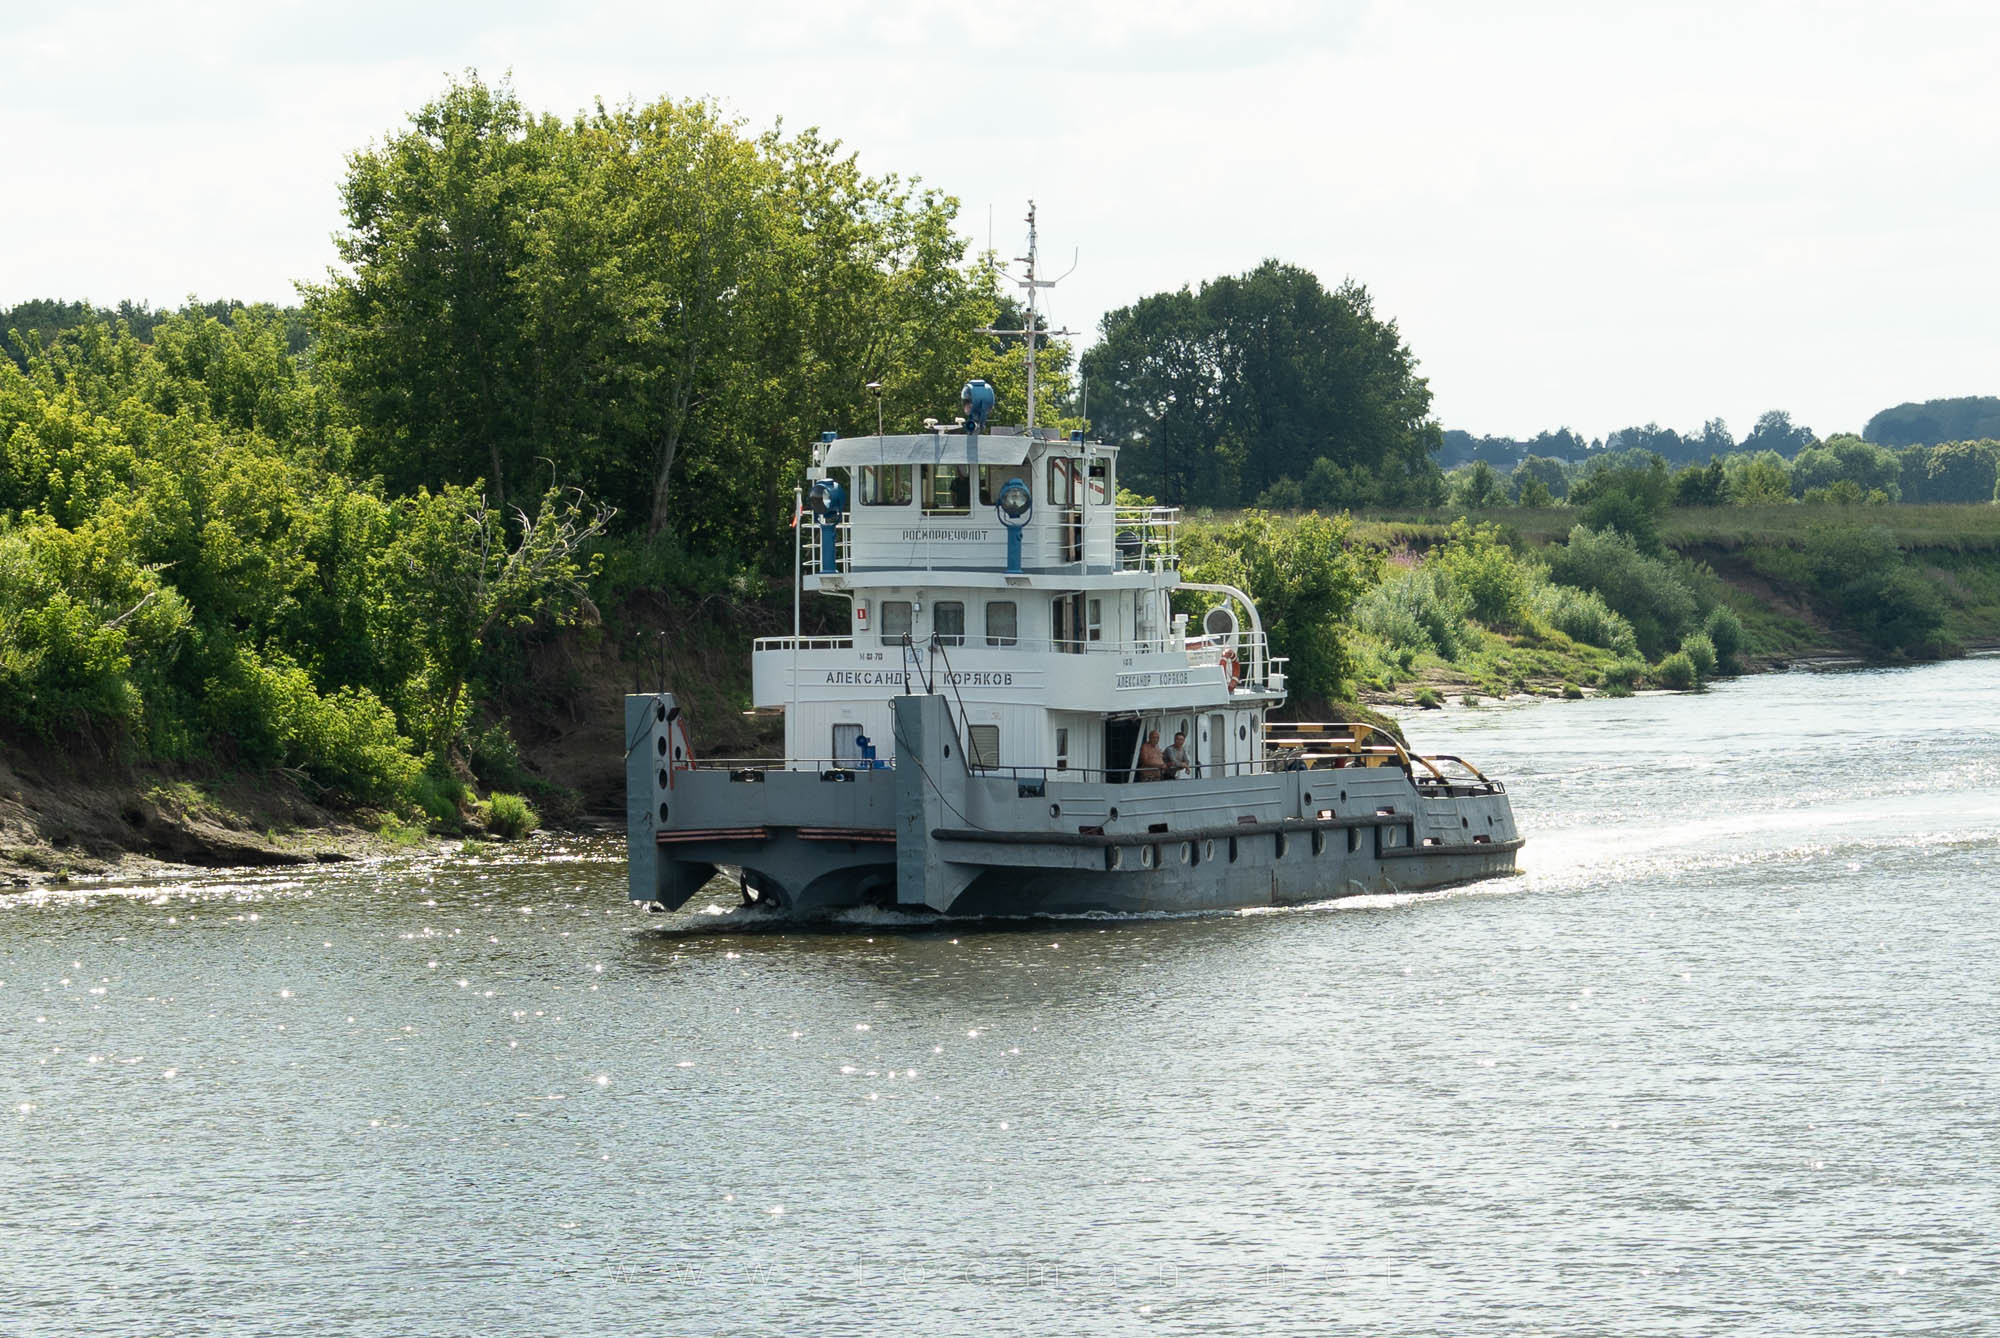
[1221,393]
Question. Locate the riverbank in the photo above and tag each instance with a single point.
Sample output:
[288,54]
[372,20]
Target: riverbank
[74,813]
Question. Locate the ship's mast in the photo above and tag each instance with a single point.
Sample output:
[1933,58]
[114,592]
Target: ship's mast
[1033,283]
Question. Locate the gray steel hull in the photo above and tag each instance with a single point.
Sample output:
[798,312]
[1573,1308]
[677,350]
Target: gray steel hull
[929,833]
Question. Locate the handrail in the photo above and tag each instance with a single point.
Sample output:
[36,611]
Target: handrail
[1200,651]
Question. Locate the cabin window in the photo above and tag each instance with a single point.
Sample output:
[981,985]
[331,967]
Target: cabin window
[992,478]
[1096,623]
[984,742]
[847,745]
[1066,613]
[885,485]
[895,620]
[948,622]
[1062,747]
[947,490]
[1003,623]
[1062,481]
[1099,485]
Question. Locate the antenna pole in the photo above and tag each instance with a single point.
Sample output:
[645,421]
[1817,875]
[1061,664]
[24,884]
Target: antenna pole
[1031,317]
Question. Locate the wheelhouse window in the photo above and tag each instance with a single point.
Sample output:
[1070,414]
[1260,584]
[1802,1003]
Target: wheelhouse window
[885,485]
[992,478]
[948,622]
[1063,486]
[895,621]
[947,490]
[984,743]
[1096,620]
[1098,486]
[1003,622]
[847,745]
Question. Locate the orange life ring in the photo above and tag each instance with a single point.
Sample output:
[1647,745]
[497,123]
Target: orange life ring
[1231,670]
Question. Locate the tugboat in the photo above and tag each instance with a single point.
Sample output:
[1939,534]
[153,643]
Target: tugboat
[987,738]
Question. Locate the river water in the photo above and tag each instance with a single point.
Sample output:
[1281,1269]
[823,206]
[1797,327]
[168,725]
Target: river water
[1722,1060]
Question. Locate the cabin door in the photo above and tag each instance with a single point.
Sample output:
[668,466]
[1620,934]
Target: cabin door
[1121,741]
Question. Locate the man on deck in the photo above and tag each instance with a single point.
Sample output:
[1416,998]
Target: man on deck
[1152,762]
[1176,757]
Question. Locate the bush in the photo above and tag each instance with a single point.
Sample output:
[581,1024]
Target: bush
[1725,633]
[1676,671]
[346,740]
[508,817]
[1649,592]
[1698,648]
[1428,699]
[1582,615]
[441,798]
[1492,577]
[1421,609]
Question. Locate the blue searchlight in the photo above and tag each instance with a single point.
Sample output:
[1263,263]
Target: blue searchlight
[1014,506]
[829,499]
[976,403]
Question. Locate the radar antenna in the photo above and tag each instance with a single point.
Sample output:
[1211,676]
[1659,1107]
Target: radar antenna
[1033,283]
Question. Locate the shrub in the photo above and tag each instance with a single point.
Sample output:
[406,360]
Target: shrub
[1582,615]
[508,816]
[1419,608]
[1698,648]
[346,740]
[1725,633]
[1494,580]
[1571,692]
[1648,591]
[440,797]
[1624,674]
[1676,671]
[1428,699]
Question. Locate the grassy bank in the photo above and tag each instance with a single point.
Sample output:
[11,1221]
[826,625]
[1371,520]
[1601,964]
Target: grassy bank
[1874,583]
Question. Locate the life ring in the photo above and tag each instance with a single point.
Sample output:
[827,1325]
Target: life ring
[1231,670]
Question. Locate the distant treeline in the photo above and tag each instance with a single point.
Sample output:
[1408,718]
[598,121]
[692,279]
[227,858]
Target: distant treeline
[1841,469]
[1932,423]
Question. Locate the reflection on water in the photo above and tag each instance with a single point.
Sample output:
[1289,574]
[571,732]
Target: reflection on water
[1720,1059]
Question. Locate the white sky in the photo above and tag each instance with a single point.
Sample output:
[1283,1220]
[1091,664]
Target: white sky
[1592,214]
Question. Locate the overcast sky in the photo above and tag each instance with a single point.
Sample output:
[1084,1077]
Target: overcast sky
[1588,215]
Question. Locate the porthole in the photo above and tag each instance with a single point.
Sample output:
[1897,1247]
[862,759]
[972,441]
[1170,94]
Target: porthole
[1149,856]
[663,778]
[1353,839]
[660,712]
[1343,796]
[1308,796]
[1112,816]
[1278,845]
[663,812]
[1319,843]
[947,750]
[1055,810]
[1243,731]
[1113,857]
[1232,850]
[1187,852]
[1208,849]
[680,753]
[1465,822]
[662,741]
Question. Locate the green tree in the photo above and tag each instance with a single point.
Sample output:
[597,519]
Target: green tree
[1844,458]
[1758,479]
[1629,495]
[1221,393]
[1775,431]
[1306,577]
[1702,485]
